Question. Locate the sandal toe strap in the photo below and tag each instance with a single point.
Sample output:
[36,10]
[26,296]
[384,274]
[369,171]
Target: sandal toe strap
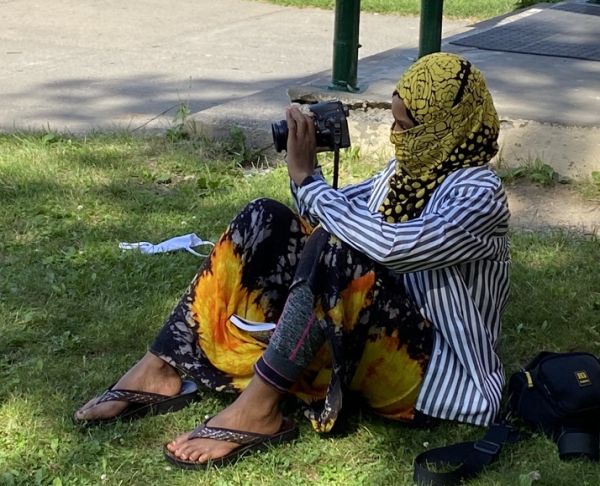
[131,396]
[223,434]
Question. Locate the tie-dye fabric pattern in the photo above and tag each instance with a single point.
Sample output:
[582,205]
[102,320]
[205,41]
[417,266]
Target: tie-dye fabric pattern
[377,345]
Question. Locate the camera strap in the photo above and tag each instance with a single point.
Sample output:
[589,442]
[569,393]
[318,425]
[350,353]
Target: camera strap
[336,166]
[467,458]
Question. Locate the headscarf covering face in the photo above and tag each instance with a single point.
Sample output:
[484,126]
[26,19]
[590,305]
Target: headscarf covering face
[456,127]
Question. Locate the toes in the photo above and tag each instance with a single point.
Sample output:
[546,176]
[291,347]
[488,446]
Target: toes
[198,450]
[202,458]
[178,441]
[193,456]
[180,451]
[80,415]
[81,412]
[189,448]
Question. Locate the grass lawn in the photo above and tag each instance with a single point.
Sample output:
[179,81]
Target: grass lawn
[478,9]
[76,312]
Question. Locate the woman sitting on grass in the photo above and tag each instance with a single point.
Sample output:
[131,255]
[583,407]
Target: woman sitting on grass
[392,288]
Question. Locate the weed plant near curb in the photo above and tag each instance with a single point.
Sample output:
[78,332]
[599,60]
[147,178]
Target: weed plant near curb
[535,171]
[76,312]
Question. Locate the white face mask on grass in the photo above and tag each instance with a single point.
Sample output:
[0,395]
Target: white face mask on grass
[184,242]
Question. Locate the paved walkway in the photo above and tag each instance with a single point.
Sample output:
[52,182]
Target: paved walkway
[81,65]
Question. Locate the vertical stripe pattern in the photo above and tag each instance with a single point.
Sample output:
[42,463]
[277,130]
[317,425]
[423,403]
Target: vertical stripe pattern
[455,260]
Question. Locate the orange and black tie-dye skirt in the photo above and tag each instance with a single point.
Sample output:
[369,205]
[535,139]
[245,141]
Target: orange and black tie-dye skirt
[376,343]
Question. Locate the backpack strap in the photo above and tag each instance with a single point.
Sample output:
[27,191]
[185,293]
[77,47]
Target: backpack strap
[469,458]
[575,443]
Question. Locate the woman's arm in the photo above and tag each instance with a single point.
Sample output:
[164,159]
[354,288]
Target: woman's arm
[361,190]
[302,162]
[471,210]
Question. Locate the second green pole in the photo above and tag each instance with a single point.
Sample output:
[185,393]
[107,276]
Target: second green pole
[430,30]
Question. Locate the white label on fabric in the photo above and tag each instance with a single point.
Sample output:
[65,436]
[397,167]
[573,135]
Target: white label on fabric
[250,326]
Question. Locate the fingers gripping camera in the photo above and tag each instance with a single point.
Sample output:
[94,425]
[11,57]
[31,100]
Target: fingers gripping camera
[331,126]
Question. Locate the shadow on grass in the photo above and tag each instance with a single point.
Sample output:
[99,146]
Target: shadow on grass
[76,313]
[51,364]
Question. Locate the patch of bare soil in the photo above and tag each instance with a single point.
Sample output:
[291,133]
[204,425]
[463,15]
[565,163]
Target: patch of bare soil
[558,207]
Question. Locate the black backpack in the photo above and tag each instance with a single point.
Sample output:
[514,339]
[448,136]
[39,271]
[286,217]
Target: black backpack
[556,393]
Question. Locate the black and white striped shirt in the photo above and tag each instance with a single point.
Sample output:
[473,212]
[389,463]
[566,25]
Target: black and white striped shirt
[455,260]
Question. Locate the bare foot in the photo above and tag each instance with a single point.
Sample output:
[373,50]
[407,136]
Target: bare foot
[255,410]
[150,374]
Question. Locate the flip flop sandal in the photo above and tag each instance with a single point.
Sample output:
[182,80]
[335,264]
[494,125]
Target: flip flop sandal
[249,442]
[143,404]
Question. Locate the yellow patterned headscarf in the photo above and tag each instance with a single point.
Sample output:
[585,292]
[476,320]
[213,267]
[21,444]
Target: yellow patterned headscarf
[456,127]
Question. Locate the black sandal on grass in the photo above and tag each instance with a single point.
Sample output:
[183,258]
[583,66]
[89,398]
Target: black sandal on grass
[249,442]
[143,404]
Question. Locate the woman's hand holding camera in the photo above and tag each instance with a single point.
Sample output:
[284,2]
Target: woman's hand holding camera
[301,144]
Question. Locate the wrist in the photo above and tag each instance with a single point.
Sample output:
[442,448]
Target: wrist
[299,177]
[307,180]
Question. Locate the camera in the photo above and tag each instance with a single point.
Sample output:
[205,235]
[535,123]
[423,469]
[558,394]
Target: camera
[331,126]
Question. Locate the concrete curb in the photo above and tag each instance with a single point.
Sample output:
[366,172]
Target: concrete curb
[573,152]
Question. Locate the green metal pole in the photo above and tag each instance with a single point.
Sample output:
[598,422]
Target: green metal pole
[345,45]
[430,32]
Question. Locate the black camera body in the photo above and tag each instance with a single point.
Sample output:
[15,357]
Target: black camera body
[331,126]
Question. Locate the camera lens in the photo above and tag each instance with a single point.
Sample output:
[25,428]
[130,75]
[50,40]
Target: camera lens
[280,134]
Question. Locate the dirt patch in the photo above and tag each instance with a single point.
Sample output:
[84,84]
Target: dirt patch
[573,152]
[557,207]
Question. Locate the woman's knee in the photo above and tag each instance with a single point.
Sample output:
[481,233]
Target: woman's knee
[269,205]
[265,211]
